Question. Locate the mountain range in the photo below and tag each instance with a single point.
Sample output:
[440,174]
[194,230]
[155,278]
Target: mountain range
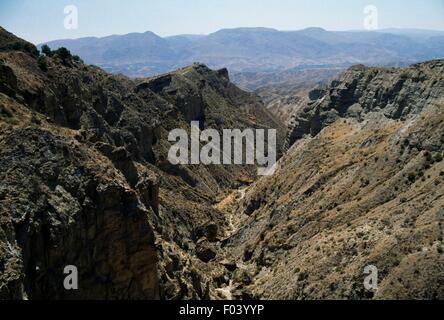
[256,50]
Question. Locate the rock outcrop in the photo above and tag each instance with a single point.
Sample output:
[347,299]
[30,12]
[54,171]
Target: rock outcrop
[397,94]
[361,185]
[85,180]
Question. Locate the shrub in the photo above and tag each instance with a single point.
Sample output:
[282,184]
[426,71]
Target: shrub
[76,58]
[25,47]
[428,155]
[248,253]
[42,63]
[46,50]
[63,54]
[406,143]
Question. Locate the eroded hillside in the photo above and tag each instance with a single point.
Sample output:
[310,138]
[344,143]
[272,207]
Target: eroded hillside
[362,184]
[85,179]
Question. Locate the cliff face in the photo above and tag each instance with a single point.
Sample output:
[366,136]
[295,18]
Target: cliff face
[66,204]
[362,184]
[359,91]
[85,180]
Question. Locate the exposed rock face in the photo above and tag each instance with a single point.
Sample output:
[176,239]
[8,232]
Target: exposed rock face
[355,189]
[85,180]
[205,251]
[69,206]
[360,90]
[8,80]
[285,93]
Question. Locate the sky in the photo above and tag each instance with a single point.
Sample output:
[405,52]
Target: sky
[44,20]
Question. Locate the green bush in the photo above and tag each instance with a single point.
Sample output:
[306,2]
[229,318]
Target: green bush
[76,58]
[42,63]
[25,47]
[63,54]
[412,177]
[46,50]
[428,156]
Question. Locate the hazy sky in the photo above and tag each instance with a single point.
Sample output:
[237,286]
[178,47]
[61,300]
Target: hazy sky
[43,20]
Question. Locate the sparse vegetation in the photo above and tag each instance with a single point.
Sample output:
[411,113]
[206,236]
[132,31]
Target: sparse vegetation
[411,177]
[76,58]
[25,47]
[42,63]
[46,50]
[62,53]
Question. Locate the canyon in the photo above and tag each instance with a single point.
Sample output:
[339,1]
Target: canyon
[85,180]
[233,146]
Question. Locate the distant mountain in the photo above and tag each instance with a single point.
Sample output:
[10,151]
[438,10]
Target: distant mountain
[413,33]
[256,49]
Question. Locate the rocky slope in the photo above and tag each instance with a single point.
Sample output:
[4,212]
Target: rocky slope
[85,180]
[284,92]
[362,184]
[360,91]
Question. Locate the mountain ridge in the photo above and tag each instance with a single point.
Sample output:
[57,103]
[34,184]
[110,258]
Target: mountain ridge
[254,49]
[86,181]
[361,184]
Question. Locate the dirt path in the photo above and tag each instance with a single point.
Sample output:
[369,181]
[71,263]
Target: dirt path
[228,206]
